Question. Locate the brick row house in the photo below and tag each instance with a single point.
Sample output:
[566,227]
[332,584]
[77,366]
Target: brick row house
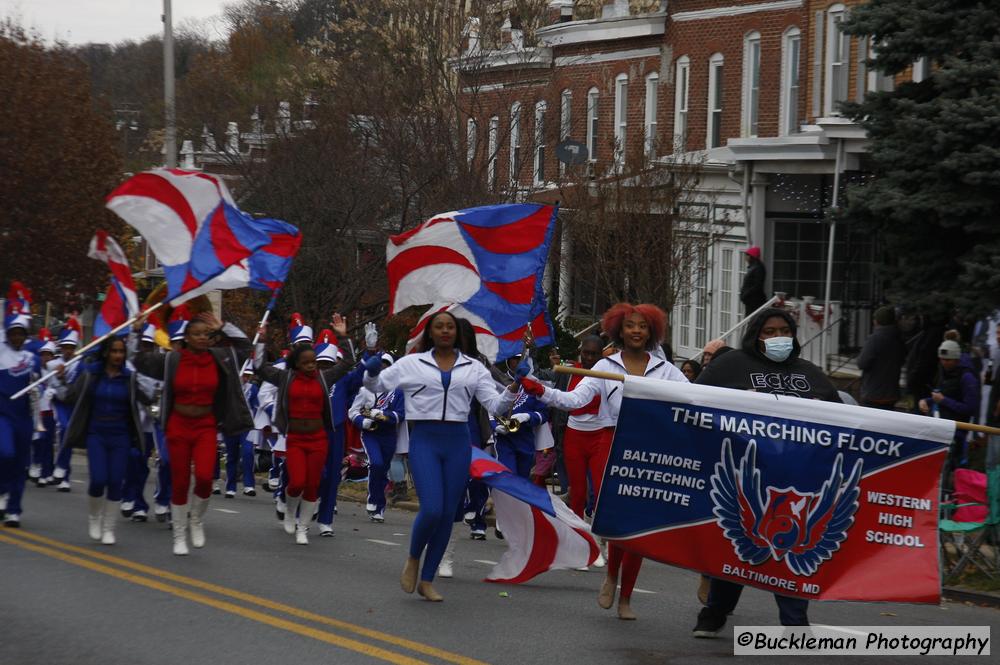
[746,90]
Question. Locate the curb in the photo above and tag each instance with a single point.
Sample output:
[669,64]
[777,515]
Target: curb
[968,596]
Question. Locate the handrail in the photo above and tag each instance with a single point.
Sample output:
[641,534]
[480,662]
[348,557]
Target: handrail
[776,298]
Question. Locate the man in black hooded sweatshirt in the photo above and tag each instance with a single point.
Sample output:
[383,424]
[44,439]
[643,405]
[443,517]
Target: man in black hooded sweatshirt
[767,362]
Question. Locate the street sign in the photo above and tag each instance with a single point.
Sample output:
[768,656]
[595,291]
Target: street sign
[571,153]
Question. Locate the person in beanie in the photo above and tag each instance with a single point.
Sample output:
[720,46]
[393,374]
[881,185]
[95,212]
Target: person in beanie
[767,362]
[955,396]
[752,293]
[881,360]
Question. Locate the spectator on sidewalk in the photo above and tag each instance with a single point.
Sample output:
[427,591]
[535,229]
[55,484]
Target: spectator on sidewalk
[881,360]
[752,293]
[954,396]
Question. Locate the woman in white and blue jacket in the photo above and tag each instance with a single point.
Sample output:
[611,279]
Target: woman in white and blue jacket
[379,418]
[439,385]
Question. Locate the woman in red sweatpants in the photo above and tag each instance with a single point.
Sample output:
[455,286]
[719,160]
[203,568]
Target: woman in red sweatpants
[197,397]
[303,413]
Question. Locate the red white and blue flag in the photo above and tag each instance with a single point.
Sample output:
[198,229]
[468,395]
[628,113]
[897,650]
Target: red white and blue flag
[193,227]
[121,302]
[486,264]
[796,496]
[541,533]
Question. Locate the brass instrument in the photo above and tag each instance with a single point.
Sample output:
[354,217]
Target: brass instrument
[379,418]
[509,423]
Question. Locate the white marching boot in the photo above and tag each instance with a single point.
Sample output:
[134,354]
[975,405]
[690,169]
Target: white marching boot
[95,513]
[302,526]
[292,504]
[179,522]
[197,521]
[447,566]
[108,523]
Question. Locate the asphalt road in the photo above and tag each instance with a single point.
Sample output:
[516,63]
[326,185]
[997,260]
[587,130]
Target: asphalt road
[253,596]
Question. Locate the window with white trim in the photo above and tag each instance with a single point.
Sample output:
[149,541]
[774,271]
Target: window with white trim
[470,140]
[713,138]
[878,81]
[751,85]
[652,103]
[791,56]
[492,140]
[838,60]
[565,120]
[593,97]
[621,118]
[515,142]
[681,81]
[540,109]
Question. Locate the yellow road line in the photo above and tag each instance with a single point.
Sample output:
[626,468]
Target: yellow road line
[412,645]
[253,615]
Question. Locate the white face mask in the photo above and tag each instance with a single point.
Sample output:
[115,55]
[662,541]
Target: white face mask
[778,348]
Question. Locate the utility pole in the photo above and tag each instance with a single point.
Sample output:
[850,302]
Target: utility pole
[170,117]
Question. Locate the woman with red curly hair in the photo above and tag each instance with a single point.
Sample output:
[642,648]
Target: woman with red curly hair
[636,330]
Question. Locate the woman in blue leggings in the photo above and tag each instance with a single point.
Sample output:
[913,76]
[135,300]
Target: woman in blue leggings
[105,420]
[438,386]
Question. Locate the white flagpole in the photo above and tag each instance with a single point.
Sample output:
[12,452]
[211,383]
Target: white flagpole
[78,355]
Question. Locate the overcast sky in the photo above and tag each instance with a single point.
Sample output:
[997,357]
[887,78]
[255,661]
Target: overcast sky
[81,21]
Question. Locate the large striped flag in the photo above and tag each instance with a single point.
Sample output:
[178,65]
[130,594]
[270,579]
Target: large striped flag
[541,534]
[120,302]
[193,227]
[485,264]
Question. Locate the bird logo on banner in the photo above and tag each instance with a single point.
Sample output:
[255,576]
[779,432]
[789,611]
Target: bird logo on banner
[803,529]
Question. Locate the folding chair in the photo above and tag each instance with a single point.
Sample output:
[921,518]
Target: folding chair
[969,521]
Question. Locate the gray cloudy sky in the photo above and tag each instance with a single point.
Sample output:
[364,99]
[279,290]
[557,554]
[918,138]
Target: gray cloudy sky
[80,21]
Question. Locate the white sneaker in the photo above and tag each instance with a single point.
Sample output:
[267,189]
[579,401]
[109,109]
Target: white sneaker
[378,517]
[64,486]
[600,562]
[326,531]
[446,568]
[370,507]
[59,473]
[230,494]
[127,508]
[35,471]
[249,491]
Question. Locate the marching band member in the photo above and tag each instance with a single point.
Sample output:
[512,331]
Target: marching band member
[474,507]
[42,457]
[67,343]
[379,418]
[267,395]
[438,384]
[17,367]
[515,443]
[239,448]
[342,395]
[637,329]
[105,396]
[201,392]
[134,503]
[303,413]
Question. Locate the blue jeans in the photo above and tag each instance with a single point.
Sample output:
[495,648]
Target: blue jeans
[239,454]
[439,462]
[15,453]
[107,459]
[724,595]
[380,450]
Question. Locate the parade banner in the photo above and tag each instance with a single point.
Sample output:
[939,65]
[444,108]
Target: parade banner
[804,498]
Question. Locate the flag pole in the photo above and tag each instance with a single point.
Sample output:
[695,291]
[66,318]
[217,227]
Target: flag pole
[611,376]
[79,353]
[263,322]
